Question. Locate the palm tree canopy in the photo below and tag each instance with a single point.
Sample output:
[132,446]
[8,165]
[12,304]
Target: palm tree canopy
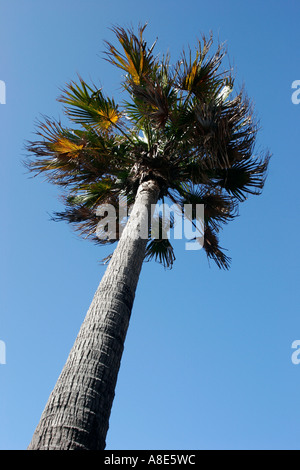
[181,125]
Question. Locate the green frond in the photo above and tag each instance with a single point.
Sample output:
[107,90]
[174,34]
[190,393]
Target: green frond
[56,153]
[74,157]
[88,106]
[93,194]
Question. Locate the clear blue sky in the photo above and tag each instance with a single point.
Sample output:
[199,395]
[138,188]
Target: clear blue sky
[207,361]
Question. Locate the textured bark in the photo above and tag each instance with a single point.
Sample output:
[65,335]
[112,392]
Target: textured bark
[78,410]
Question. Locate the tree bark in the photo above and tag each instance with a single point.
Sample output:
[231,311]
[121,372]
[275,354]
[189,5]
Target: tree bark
[78,410]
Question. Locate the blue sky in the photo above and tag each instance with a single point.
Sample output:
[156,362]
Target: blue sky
[207,361]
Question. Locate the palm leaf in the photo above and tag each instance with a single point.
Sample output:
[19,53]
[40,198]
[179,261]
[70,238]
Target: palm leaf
[200,76]
[218,208]
[136,58]
[213,250]
[88,106]
[161,251]
[93,194]
[243,177]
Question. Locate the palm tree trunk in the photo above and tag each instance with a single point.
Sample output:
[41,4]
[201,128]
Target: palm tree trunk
[78,410]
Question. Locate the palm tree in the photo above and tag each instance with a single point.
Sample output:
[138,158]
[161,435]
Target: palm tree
[183,136]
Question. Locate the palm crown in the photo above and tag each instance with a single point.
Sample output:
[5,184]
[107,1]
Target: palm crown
[181,127]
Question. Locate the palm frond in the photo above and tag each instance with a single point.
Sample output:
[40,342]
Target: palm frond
[156,95]
[93,194]
[136,58]
[88,106]
[161,251]
[152,102]
[74,157]
[82,218]
[82,211]
[218,208]
[213,250]
[243,177]
[200,76]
